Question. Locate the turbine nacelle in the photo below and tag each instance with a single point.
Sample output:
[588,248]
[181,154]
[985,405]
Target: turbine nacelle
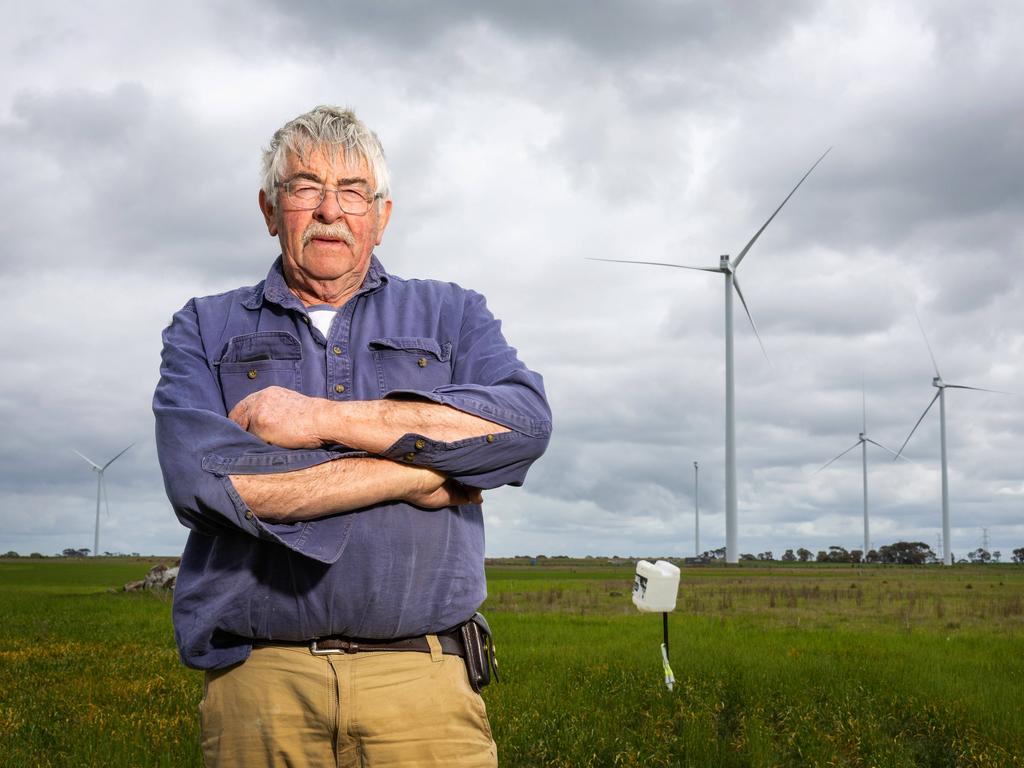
[724,264]
[938,382]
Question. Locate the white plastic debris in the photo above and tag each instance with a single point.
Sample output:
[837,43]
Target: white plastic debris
[655,586]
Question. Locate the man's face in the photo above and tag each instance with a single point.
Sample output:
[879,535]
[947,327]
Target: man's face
[313,256]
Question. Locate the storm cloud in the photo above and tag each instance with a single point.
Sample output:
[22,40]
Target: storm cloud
[523,139]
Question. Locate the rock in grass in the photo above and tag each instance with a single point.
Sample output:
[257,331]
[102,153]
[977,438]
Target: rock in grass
[160,577]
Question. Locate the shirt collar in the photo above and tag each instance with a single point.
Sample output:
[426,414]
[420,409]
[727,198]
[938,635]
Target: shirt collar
[275,290]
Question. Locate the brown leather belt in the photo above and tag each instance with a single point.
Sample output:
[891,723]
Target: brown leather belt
[451,644]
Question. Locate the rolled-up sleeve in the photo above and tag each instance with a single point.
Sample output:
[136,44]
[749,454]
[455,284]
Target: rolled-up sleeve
[489,381]
[199,447]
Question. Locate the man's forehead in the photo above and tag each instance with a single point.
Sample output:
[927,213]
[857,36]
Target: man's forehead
[329,164]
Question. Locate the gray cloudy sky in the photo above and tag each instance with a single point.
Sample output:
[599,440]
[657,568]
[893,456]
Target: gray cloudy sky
[523,138]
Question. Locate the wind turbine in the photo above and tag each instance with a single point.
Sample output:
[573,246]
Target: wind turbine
[862,441]
[728,267]
[101,490]
[942,386]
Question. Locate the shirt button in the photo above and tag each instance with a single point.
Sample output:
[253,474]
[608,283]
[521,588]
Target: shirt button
[420,444]
[410,456]
[305,319]
[336,349]
[422,362]
[252,373]
[490,438]
[248,514]
[339,388]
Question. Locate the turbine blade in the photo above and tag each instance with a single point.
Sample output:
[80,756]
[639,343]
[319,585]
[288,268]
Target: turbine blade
[925,335]
[91,462]
[823,466]
[890,450]
[900,451]
[864,403]
[981,389]
[655,264]
[117,457]
[753,240]
[743,301]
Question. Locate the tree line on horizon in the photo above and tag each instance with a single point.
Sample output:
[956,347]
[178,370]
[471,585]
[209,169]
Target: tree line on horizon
[897,553]
[67,552]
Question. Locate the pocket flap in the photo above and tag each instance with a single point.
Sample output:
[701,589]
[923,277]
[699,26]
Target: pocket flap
[262,345]
[430,346]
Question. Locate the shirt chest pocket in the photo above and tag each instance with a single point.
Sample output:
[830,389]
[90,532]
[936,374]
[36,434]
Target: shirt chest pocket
[256,361]
[411,363]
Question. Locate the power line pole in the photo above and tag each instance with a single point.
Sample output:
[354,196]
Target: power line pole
[696,510]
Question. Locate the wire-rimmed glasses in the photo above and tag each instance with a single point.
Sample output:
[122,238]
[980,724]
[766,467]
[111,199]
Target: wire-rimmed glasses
[307,195]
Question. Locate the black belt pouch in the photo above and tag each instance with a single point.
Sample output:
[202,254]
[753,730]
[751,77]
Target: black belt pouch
[480,660]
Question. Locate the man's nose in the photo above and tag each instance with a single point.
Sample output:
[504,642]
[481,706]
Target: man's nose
[328,211]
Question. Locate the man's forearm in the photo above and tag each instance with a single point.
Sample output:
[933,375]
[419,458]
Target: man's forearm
[345,485]
[375,425]
[335,486]
[292,420]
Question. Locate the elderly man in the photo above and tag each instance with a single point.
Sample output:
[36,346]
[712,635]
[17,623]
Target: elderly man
[325,436]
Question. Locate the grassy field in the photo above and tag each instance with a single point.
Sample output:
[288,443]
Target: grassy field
[808,665]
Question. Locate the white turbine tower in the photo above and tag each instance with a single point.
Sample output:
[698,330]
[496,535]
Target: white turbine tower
[728,268]
[862,441]
[101,490]
[942,386]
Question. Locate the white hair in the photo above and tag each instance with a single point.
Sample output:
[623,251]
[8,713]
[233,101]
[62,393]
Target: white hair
[326,127]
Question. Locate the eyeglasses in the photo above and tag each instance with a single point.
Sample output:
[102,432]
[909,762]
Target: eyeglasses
[306,195]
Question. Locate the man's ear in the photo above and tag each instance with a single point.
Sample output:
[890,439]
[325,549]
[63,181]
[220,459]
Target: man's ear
[382,220]
[269,214]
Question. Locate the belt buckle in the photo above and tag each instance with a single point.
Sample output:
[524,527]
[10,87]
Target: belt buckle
[347,647]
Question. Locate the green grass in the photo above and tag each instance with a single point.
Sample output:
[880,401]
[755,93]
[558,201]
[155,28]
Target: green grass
[88,677]
[775,666]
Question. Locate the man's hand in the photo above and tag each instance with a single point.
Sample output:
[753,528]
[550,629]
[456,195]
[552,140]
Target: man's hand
[434,491]
[281,417]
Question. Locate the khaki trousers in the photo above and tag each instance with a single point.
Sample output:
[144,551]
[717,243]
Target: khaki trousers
[284,706]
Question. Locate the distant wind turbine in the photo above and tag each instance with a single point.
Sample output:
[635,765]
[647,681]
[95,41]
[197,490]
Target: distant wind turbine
[101,490]
[728,268]
[942,386]
[862,441]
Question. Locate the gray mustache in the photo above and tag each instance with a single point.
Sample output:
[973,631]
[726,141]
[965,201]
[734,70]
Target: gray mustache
[336,231]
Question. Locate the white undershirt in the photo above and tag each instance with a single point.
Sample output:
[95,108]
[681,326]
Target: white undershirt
[322,315]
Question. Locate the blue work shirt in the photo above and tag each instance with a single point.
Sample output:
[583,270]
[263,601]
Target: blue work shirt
[390,570]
